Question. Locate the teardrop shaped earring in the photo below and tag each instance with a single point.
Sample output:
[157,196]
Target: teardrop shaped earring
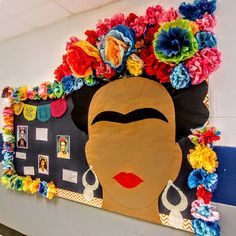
[175,217]
[88,191]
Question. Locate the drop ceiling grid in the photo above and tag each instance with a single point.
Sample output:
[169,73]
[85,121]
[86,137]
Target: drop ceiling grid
[21,16]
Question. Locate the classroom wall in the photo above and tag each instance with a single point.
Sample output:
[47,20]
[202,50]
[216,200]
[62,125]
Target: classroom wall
[31,59]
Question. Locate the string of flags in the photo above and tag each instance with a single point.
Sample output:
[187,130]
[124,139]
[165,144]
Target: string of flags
[43,112]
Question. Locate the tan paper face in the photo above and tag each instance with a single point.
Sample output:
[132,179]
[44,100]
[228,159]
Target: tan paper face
[133,160]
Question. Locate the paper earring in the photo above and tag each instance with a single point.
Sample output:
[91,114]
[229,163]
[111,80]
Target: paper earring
[88,191]
[175,217]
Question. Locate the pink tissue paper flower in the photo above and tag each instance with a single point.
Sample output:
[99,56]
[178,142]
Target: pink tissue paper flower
[167,16]
[203,64]
[104,26]
[207,23]
[199,208]
[153,14]
[136,23]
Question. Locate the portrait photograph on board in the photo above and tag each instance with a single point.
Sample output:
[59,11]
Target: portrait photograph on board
[63,146]
[22,136]
[43,164]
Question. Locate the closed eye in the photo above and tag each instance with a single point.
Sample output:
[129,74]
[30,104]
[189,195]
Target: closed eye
[136,115]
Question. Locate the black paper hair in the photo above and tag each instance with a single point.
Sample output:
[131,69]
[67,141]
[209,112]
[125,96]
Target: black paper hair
[190,110]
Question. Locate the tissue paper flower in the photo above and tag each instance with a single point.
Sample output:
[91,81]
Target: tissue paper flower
[203,228]
[206,212]
[175,42]
[134,65]
[83,57]
[197,9]
[207,22]
[206,40]
[116,46]
[204,195]
[203,157]
[201,177]
[203,64]
[68,83]
[179,77]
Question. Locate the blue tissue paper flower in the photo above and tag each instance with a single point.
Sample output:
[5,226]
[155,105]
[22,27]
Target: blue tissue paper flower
[68,83]
[190,11]
[197,9]
[203,228]
[211,182]
[179,77]
[208,6]
[15,95]
[124,35]
[204,210]
[19,184]
[7,165]
[201,177]
[49,89]
[7,155]
[172,42]
[206,40]
[12,181]
[78,84]
[43,188]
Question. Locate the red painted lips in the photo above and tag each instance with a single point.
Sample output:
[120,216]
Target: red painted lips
[128,180]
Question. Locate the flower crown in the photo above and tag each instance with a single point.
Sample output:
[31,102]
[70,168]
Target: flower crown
[161,44]
[170,46]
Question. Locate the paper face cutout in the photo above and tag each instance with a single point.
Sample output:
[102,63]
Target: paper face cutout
[135,159]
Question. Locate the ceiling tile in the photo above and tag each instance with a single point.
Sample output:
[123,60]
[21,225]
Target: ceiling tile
[76,6]
[3,17]
[12,28]
[44,14]
[14,7]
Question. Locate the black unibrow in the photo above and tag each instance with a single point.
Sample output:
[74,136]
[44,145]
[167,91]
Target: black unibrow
[136,115]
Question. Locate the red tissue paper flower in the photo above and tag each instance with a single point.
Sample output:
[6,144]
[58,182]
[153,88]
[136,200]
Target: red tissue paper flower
[153,14]
[92,36]
[73,40]
[104,26]
[149,36]
[105,70]
[80,62]
[154,67]
[62,70]
[202,193]
[136,23]
[209,136]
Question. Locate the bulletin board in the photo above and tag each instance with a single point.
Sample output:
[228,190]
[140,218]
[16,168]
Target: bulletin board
[124,126]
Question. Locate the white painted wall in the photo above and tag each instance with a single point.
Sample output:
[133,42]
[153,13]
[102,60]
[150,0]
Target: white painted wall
[31,59]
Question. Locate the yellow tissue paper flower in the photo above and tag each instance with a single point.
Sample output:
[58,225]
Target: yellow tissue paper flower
[34,186]
[134,65]
[51,190]
[26,183]
[5,180]
[23,93]
[203,157]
